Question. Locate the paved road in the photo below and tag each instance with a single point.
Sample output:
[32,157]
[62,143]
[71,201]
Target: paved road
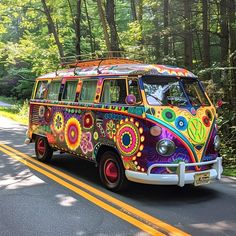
[3,104]
[33,202]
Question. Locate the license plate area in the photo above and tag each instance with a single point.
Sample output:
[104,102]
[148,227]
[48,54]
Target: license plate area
[201,178]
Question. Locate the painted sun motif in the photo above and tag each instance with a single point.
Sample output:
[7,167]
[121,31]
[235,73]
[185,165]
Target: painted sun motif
[129,140]
[73,133]
[58,122]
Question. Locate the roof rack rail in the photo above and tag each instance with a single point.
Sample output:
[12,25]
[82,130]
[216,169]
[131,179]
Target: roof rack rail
[98,58]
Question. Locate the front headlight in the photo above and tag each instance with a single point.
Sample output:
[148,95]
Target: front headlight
[165,147]
[217,142]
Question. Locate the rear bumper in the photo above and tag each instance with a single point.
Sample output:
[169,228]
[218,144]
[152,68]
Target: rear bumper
[180,178]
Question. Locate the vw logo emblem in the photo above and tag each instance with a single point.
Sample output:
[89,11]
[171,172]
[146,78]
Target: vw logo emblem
[196,130]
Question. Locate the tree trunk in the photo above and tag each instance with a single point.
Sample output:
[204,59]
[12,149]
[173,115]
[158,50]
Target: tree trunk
[133,10]
[78,27]
[90,28]
[166,25]
[224,41]
[188,37]
[206,36]
[110,16]
[104,25]
[52,28]
[232,47]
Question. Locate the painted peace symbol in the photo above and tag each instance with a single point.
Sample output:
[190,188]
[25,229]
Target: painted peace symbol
[196,130]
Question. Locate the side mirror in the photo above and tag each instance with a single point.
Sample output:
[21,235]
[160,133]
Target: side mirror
[130,99]
[219,103]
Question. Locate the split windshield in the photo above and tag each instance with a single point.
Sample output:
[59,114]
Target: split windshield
[175,92]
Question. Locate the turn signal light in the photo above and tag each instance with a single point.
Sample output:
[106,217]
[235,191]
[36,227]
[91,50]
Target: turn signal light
[155,131]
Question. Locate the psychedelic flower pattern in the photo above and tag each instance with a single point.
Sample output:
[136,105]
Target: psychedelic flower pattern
[73,133]
[88,121]
[86,144]
[58,122]
[110,129]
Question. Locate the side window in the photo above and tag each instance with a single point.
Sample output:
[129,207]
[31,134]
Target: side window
[69,91]
[53,90]
[114,91]
[134,89]
[41,90]
[88,91]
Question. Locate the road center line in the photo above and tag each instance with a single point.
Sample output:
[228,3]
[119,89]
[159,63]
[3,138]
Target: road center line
[170,230]
[89,197]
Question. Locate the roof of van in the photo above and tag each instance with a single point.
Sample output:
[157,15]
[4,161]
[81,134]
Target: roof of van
[123,69]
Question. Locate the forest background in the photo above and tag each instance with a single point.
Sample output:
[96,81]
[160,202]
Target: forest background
[199,35]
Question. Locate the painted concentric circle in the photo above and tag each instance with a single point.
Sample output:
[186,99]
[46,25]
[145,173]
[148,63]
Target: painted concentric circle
[196,130]
[181,123]
[168,115]
[129,139]
[73,133]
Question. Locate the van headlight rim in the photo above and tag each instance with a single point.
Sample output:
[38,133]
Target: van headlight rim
[165,147]
[217,142]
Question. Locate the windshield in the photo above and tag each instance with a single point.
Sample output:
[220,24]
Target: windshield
[172,91]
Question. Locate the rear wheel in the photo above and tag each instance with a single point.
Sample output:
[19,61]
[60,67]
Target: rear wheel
[42,149]
[112,173]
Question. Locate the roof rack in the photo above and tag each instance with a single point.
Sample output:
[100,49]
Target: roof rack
[96,59]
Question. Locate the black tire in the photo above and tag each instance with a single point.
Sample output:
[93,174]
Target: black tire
[111,171]
[42,149]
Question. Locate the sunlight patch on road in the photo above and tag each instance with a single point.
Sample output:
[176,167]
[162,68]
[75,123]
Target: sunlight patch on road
[65,200]
[218,227]
[22,179]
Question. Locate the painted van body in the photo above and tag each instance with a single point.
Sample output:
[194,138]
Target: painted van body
[88,111]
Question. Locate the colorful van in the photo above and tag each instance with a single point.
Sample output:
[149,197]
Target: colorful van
[150,124]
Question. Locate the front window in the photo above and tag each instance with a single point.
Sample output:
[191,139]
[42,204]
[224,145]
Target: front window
[194,92]
[172,91]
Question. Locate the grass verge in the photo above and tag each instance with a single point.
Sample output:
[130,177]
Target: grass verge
[18,113]
[230,171]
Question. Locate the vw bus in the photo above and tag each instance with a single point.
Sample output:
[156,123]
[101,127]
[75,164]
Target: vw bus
[150,124]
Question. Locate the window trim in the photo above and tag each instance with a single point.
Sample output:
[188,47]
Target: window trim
[139,89]
[116,78]
[84,80]
[54,80]
[36,88]
[69,80]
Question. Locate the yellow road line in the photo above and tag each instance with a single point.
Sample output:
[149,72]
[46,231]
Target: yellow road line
[96,201]
[170,230]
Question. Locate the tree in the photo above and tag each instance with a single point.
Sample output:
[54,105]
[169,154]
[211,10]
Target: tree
[110,16]
[188,37]
[206,36]
[232,46]
[52,28]
[224,39]
[166,25]
[104,25]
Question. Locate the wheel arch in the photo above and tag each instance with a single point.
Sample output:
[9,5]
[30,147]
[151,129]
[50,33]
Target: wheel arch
[104,148]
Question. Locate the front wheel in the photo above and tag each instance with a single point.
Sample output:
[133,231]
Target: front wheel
[42,149]
[112,173]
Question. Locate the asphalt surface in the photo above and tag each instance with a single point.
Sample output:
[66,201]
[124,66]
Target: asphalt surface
[3,104]
[33,204]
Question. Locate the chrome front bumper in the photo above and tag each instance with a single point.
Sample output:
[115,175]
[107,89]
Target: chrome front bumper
[180,178]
